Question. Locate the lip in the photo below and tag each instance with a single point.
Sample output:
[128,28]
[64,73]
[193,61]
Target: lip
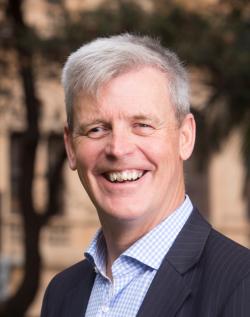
[123,170]
[118,169]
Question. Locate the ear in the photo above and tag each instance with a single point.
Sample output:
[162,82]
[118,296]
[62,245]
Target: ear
[187,137]
[69,146]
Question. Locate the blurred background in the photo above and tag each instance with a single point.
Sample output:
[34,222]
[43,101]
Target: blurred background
[46,219]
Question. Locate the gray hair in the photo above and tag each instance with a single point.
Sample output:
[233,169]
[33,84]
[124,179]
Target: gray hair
[97,62]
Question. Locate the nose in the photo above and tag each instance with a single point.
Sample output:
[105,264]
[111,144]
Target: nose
[120,144]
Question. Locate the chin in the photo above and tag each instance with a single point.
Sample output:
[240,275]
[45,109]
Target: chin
[124,213]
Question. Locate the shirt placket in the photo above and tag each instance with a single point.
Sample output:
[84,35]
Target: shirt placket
[107,294]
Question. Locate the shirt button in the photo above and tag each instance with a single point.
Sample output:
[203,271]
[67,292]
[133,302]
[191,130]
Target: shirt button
[105,309]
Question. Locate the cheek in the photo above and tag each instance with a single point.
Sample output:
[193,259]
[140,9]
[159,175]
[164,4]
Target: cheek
[162,151]
[85,164]
[85,155]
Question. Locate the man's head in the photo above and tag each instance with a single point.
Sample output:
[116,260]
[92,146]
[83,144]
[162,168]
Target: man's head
[129,127]
[99,61]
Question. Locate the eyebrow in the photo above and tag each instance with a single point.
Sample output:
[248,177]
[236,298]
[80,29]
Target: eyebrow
[147,117]
[92,120]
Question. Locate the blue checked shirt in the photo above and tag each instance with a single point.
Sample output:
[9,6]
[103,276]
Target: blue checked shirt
[134,270]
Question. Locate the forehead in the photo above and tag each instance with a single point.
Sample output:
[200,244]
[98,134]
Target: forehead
[138,92]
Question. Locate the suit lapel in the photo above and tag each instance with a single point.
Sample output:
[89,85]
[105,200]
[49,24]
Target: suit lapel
[77,300]
[166,293]
[170,288]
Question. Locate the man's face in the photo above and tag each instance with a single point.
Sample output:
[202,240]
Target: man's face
[128,148]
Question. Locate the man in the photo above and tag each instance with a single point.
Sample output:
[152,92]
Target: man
[129,130]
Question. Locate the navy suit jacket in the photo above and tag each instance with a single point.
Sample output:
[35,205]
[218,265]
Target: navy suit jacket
[204,274]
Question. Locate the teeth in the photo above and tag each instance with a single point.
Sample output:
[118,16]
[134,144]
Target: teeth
[124,175]
[135,175]
[112,177]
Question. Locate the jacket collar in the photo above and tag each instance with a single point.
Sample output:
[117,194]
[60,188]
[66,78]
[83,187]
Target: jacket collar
[169,289]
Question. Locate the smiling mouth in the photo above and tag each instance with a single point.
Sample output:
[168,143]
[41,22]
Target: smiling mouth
[124,176]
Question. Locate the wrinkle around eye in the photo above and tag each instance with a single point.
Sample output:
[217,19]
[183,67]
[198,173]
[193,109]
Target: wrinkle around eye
[97,132]
[92,133]
[143,129]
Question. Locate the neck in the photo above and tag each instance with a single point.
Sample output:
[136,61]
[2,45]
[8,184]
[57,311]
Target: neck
[117,242]
[120,234]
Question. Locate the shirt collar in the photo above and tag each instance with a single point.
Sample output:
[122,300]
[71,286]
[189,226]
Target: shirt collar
[96,252]
[152,247]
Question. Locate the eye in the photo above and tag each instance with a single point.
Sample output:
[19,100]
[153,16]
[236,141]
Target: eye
[97,132]
[142,128]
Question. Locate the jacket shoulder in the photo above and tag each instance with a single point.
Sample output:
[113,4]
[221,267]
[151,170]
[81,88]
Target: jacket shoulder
[71,276]
[227,260]
[229,250]
[79,276]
